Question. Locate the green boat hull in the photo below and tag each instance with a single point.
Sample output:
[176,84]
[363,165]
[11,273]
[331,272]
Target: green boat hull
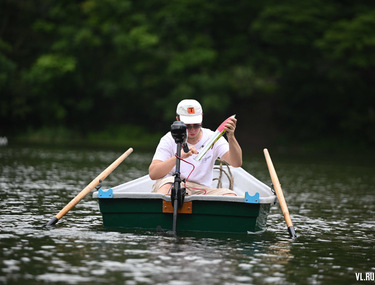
[132,206]
[206,216]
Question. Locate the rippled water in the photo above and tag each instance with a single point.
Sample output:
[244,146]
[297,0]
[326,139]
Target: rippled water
[331,201]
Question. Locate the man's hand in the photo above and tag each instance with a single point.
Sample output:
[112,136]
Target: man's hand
[230,127]
[192,150]
[234,155]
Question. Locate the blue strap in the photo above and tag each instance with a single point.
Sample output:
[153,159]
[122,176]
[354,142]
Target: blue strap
[105,194]
[252,199]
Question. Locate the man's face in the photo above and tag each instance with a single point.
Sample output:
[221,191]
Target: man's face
[193,130]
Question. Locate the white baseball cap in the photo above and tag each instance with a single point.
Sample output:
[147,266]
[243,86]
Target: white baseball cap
[190,111]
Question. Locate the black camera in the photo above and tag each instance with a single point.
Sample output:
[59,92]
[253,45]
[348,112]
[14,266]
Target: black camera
[178,130]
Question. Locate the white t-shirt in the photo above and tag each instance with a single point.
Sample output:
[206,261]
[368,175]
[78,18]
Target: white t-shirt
[203,171]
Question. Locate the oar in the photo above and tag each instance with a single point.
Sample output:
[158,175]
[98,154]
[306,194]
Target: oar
[280,195]
[89,187]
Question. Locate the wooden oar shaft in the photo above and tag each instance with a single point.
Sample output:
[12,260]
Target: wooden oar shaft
[92,185]
[279,192]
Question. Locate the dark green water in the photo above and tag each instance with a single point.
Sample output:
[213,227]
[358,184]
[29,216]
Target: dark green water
[331,201]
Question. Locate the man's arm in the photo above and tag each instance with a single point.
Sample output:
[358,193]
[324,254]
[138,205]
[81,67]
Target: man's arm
[234,155]
[158,169]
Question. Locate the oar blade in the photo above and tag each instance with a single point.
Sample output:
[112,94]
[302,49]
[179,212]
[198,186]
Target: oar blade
[52,222]
[292,232]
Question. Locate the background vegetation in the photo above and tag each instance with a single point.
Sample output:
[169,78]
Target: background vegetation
[293,71]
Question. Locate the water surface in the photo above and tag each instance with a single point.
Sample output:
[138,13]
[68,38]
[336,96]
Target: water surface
[331,201]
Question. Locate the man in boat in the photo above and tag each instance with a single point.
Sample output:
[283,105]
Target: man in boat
[199,177]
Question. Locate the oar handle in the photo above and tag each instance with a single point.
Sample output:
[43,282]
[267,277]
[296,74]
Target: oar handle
[89,187]
[279,194]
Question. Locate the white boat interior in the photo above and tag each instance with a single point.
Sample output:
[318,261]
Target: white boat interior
[247,187]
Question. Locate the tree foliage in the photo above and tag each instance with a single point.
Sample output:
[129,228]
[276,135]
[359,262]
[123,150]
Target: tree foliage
[90,64]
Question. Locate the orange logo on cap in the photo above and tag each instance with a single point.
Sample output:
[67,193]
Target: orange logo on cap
[191,110]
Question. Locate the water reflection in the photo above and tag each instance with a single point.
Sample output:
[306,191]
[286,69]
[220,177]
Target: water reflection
[148,258]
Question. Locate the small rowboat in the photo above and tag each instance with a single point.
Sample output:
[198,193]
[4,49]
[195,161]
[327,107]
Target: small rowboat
[132,206]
